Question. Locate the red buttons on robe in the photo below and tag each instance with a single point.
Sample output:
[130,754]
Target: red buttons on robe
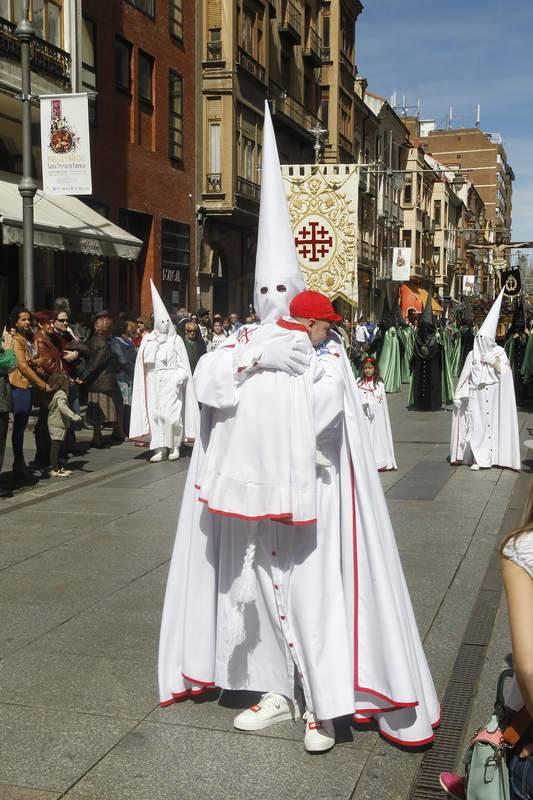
[283,618]
[274,553]
[291,644]
[276,586]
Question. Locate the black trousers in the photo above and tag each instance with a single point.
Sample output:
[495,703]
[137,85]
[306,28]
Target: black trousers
[4,423]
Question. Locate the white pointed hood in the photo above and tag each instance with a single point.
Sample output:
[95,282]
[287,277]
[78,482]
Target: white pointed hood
[276,262]
[162,322]
[486,351]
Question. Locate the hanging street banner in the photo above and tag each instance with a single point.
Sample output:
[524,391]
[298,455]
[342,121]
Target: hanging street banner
[401,263]
[65,145]
[322,202]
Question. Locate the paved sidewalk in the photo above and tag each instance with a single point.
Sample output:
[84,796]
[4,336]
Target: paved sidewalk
[82,575]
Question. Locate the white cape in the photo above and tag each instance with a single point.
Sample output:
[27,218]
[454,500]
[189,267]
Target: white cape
[332,606]
[164,409]
[374,400]
[485,423]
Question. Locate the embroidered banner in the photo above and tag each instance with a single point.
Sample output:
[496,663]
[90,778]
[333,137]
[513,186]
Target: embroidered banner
[322,202]
[65,145]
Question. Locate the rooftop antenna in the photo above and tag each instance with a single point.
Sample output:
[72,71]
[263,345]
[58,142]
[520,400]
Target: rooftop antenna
[478,115]
[450,118]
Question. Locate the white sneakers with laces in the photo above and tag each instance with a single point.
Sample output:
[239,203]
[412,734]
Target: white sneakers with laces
[271,708]
[319,734]
[60,473]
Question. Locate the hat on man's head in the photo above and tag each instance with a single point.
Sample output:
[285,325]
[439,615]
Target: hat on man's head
[313,305]
[202,311]
[103,313]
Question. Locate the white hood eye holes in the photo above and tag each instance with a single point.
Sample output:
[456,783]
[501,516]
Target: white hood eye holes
[281,288]
[264,289]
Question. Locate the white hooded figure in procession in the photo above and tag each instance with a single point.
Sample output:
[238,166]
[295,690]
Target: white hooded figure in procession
[485,423]
[374,400]
[164,408]
[305,602]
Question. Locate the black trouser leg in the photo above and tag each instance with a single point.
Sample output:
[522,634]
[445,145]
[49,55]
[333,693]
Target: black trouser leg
[55,450]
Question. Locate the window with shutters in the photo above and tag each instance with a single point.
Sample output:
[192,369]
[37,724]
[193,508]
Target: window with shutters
[175,116]
[175,10]
[148,6]
[46,15]
[88,64]
[146,71]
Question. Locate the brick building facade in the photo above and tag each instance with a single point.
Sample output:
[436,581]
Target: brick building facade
[139,56]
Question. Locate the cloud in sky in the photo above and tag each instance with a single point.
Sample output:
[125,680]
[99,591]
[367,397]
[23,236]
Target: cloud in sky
[459,54]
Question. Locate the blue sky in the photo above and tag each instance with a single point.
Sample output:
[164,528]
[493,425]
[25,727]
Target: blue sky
[459,53]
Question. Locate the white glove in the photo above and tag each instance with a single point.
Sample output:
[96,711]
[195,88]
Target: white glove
[282,356]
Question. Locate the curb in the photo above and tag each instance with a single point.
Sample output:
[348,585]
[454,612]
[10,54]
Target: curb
[9,506]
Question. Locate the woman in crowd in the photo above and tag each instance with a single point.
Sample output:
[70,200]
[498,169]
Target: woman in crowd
[23,379]
[8,363]
[48,358]
[102,382]
[517,569]
[125,353]
[516,554]
[217,337]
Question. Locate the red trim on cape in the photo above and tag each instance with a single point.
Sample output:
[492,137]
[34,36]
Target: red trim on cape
[285,518]
[196,682]
[390,737]
[386,710]
[291,326]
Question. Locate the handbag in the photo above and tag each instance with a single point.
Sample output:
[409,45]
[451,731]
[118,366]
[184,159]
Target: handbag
[486,769]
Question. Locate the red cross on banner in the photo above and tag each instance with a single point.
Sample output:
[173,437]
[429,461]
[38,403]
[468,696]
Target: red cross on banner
[313,241]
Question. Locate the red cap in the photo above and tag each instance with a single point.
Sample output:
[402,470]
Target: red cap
[313,305]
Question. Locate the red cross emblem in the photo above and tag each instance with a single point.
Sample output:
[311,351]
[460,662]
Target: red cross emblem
[313,241]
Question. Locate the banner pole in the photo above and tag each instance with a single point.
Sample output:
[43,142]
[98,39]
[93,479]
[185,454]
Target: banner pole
[25,33]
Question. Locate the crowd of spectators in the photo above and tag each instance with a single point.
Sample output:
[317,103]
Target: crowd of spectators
[79,373]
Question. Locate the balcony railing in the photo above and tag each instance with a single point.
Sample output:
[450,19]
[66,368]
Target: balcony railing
[326,54]
[46,58]
[290,25]
[248,189]
[313,47]
[250,65]
[214,183]
[214,50]
[290,108]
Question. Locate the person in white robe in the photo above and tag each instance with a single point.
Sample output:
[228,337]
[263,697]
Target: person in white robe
[164,408]
[374,400]
[485,423]
[314,616]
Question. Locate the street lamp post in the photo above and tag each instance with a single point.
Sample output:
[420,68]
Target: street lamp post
[25,33]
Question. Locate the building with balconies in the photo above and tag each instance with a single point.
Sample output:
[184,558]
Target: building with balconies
[418,230]
[51,64]
[252,51]
[392,148]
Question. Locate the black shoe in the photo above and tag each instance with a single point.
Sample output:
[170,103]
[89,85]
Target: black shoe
[21,470]
[5,492]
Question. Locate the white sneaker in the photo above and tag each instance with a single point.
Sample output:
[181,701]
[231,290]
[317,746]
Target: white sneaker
[159,455]
[271,708]
[319,734]
[474,467]
[174,454]
[60,473]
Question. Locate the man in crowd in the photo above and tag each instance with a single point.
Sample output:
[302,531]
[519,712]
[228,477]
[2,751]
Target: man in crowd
[235,322]
[204,324]
[8,362]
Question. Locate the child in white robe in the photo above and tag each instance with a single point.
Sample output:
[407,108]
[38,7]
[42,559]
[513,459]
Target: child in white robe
[374,400]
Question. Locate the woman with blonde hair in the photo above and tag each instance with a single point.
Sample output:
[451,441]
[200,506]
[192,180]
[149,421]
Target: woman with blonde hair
[517,568]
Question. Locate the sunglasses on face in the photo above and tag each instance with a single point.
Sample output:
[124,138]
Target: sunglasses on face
[63,320]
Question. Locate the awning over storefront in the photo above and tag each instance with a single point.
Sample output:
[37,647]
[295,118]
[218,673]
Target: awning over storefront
[63,223]
[413,296]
